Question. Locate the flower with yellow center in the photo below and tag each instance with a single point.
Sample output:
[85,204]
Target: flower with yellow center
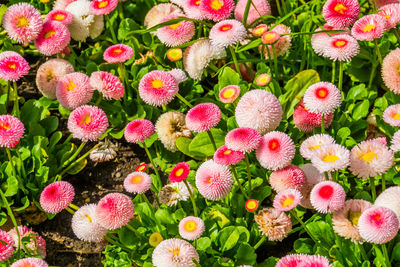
[157,84]
[71,86]
[251,205]
[49,34]
[330,157]
[340,8]
[174,54]
[155,239]
[86,119]
[216,4]
[22,22]
[369,28]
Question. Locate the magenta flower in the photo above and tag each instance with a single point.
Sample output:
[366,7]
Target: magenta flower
[11,131]
[243,139]
[286,178]
[6,246]
[179,172]
[307,121]
[138,130]
[217,10]
[341,13]
[109,85]
[327,196]
[57,196]
[118,53]
[203,117]
[12,66]
[114,211]
[53,38]
[59,15]
[103,7]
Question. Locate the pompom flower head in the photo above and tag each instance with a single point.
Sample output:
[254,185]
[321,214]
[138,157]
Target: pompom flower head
[36,245]
[391,115]
[275,151]
[178,74]
[282,45]
[11,131]
[257,9]
[6,246]
[85,225]
[56,196]
[176,34]
[74,90]
[287,199]
[12,66]
[322,98]
[216,10]
[313,143]
[175,252]
[389,198]
[53,38]
[342,47]
[103,7]
[203,117]
[226,156]
[137,182]
[327,196]
[227,33]
[243,139]
[191,228]
[114,210]
[390,70]
[315,261]
[22,22]
[192,9]
[307,121]
[312,177]
[118,53]
[59,15]
[391,13]
[291,260]
[378,225]
[138,130]
[213,181]
[87,123]
[274,224]
[260,110]
[30,262]
[331,157]
[286,178]
[341,13]
[108,84]
[179,172]
[158,88]
[229,93]
[369,27]
[270,37]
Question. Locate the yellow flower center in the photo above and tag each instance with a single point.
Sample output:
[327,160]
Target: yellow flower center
[287,202]
[226,28]
[259,30]
[251,205]
[175,251]
[210,179]
[269,36]
[216,4]
[369,28]
[22,22]
[227,152]
[179,172]
[174,54]
[369,156]
[228,93]
[396,116]
[197,3]
[322,93]
[387,16]
[102,4]
[174,26]
[190,226]
[340,43]
[340,8]
[155,239]
[49,34]
[354,216]
[49,76]
[330,158]
[87,217]
[12,65]
[398,69]
[85,120]
[157,84]
[315,147]
[59,17]
[116,52]
[4,126]
[71,86]
[136,179]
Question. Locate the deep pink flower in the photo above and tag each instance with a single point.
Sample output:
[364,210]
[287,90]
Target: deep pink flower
[118,53]
[307,121]
[291,260]
[243,139]
[176,34]
[203,117]
[179,172]
[74,90]
[327,196]
[103,7]
[59,15]
[137,182]
[56,196]
[53,38]
[108,84]
[341,13]
[12,66]
[11,131]
[217,10]
[315,261]
[114,211]
[226,156]
[6,246]
[138,130]
[369,27]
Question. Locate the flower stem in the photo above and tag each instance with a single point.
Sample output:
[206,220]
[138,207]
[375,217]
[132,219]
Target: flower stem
[386,254]
[373,190]
[191,197]
[246,12]
[8,95]
[66,163]
[16,101]
[237,180]
[210,135]
[363,253]
[235,61]
[135,231]
[333,71]
[184,100]
[259,243]
[278,6]
[11,215]
[72,206]
[11,162]
[98,101]
[326,176]
[396,33]
[111,29]
[79,159]
[246,158]
[322,123]
[146,199]
[275,61]
[70,210]
[293,213]
[383,183]
[154,166]
[340,75]
[378,52]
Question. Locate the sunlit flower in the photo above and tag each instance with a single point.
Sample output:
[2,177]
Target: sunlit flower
[257,9]
[103,7]
[217,10]
[108,84]
[341,13]
[315,261]
[85,225]
[137,182]
[369,27]
[158,88]
[141,168]
[243,139]
[270,37]
[390,70]
[11,131]
[292,260]
[53,38]
[179,75]
[36,245]
[57,196]
[263,79]
[381,3]
[345,220]
[287,178]
[274,224]
[192,9]
[275,151]
[391,13]
[22,22]
[251,205]
[174,54]
[6,246]
[229,93]
[227,33]
[12,66]
[251,111]
[170,194]
[331,157]
[287,199]
[213,181]
[391,115]
[282,45]
[312,177]
[226,156]
[138,130]
[313,143]
[179,172]
[203,117]
[74,90]
[378,225]
[307,121]
[114,210]
[175,252]
[191,228]
[395,142]
[327,196]
[176,34]
[59,15]
[118,53]
[62,4]
[389,198]
[259,30]
[155,239]
[322,97]
[342,47]
[155,15]
[30,262]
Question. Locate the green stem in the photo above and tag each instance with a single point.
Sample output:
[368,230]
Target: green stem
[275,62]
[191,197]
[66,163]
[373,190]
[22,163]
[135,231]
[210,135]
[13,220]
[372,75]
[16,101]
[70,210]
[363,253]
[199,29]
[293,213]
[8,95]
[378,52]
[246,12]
[154,165]
[383,183]
[326,176]
[98,101]
[340,75]
[396,33]
[79,159]
[113,242]
[111,29]
[235,61]
[333,71]
[72,206]
[259,243]
[278,6]
[184,100]
[121,10]
[246,158]
[238,182]
[11,162]
[146,200]
[386,254]
[323,123]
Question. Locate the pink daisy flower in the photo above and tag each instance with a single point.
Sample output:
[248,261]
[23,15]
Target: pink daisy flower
[30,262]
[291,260]
[114,211]
[226,156]
[53,38]
[243,139]
[192,9]
[22,22]
[378,225]
[36,245]
[176,34]
[87,123]
[315,261]
[108,84]
[179,172]
[251,112]
[313,143]
[11,131]
[341,13]
[327,197]
[307,121]
[85,224]
[203,117]
[118,53]
[217,10]
[275,151]
[12,66]
[322,97]
[213,181]
[158,88]
[49,73]
[390,72]
[287,199]
[369,27]
[158,12]
[103,7]
[59,15]
[191,228]
[257,9]
[227,33]
[138,130]
[74,90]
[251,205]
[391,13]
[312,177]
[175,252]
[282,45]
[270,37]
[62,4]
[391,115]
[178,74]
[389,198]
[137,182]
[229,93]
[263,79]
[342,47]
[287,178]
[370,158]
[57,196]
[259,30]
[395,142]
[331,157]
[6,246]
[274,224]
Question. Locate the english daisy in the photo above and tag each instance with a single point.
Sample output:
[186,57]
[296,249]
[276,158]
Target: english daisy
[229,93]
[327,196]
[312,177]
[369,27]
[203,117]
[341,13]
[313,143]
[390,70]
[287,199]
[391,115]
[257,9]
[11,131]
[138,130]
[322,98]
[170,194]
[191,228]
[391,13]
[107,84]
[85,225]
[6,246]
[175,252]
[137,182]
[331,157]
[243,139]
[12,66]
[59,15]
[227,33]
[118,53]
[217,10]
[176,34]
[274,224]
[395,142]
[31,262]
[103,7]
[179,172]
[389,198]
[342,47]
[74,90]
[290,177]
[57,196]
[263,79]
[225,156]
[114,211]
[307,121]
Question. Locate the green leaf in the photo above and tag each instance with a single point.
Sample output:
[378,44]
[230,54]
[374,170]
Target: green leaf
[322,231]
[303,245]
[201,144]
[270,262]
[11,186]
[78,166]
[203,243]
[251,45]
[245,255]
[146,213]
[361,110]
[126,26]
[50,124]
[182,143]
[231,235]
[91,67]
[343,133]
[396,252]
[164,216]
[358,92]
[228,77]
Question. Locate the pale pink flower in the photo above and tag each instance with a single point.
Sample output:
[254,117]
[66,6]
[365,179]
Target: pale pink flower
[390,70]
[287,199]
[176,34]
[108,84]
[227,33]
[53,38]
[74,90]
[286,178]
[191,228]
[174,252]
[257,9]
[85,224]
